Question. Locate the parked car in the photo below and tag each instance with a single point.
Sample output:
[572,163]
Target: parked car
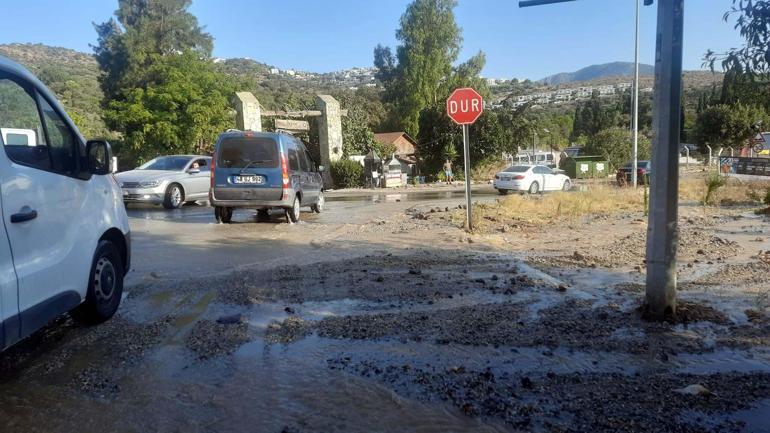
[168,180]
[625,173]
[263,171]
[530,178]
[65,240]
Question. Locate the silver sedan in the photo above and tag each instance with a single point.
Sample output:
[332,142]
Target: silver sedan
[167,180]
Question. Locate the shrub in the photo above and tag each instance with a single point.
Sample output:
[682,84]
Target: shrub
[347,174]
[714,182]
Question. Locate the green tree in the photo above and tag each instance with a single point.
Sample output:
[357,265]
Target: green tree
[729,125]
[747,77]
[615,144]
[593,116]
[417,76]
[162,92]
[181,110]
[141,32]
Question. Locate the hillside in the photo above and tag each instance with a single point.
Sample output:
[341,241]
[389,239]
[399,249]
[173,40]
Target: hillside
[594,72]
[71,75]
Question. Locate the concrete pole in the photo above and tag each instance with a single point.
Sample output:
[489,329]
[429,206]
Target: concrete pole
[710,151]
[636,101]
[662,236]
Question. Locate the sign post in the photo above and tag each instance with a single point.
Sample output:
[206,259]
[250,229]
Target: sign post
[464,107]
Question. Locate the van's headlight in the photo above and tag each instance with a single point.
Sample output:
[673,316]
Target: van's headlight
[149,184]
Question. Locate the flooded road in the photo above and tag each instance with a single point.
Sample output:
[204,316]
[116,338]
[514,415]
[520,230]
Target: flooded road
[366,318]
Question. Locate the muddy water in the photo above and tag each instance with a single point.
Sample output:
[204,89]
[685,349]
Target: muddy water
[163,386]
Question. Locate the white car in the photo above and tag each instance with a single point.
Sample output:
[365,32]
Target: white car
[530,178]
[64,241]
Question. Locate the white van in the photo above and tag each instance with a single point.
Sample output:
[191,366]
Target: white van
[64,236]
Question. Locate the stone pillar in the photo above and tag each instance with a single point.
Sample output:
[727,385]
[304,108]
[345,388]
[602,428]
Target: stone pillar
[249,115]
[329,129]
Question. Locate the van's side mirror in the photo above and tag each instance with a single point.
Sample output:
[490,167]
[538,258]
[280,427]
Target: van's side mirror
[321,168]
[98,157]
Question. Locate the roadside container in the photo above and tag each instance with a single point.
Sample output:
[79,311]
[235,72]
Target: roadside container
[587,167]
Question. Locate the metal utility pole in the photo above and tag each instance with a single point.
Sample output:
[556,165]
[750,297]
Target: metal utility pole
[635,152]
[467,160]
[662,231]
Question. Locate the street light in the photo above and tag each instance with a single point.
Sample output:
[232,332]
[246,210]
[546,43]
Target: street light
[635,151]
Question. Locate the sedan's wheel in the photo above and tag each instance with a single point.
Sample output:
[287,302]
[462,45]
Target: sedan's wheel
[173,197]
[503,191]
[567,185]
[319,206]
[105,286]
[293,212]
[534,188]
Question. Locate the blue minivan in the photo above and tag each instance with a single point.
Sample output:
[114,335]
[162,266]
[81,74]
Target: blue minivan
[263,171]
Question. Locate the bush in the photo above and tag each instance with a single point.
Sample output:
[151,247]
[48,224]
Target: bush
[615,145]
[347,174]
[714,182]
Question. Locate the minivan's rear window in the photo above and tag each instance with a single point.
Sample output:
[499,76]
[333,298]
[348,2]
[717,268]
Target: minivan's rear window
[239,152]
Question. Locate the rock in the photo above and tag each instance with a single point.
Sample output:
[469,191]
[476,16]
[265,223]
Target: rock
[526,383]
[562,288]
[230,320]
[696,389]
[577,256]
[380,279]
[289,310]
[415,271]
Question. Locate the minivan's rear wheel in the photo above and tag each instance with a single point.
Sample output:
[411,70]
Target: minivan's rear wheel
[502,191]
[319,206]
[534,188]
[174,197]
[293,212]
[105,286]
[567,185]
[223,214]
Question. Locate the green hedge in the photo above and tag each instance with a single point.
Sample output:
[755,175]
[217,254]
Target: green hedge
[347,174]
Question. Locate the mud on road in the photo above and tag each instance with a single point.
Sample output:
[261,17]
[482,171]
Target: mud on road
[535,329]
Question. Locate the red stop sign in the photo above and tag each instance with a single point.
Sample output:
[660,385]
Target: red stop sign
[464,106]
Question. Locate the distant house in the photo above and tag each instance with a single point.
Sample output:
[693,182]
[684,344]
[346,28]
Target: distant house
[405,149]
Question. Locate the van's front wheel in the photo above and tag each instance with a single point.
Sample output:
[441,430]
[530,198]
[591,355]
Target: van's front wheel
[319,206]
[105,286]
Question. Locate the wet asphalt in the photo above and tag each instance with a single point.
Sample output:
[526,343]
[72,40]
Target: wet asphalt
[188,241]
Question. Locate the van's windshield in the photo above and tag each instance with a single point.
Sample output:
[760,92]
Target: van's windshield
[256,152]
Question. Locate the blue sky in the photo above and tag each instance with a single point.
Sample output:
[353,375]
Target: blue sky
[322,36]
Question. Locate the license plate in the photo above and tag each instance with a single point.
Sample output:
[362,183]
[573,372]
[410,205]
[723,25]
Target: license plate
[249,180]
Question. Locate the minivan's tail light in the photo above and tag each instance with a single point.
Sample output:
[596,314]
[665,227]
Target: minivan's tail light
[285,175]
[213,167]
[519,177]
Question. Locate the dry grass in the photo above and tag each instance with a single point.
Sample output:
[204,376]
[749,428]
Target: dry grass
[559,206]
[599,200]
[735,192]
